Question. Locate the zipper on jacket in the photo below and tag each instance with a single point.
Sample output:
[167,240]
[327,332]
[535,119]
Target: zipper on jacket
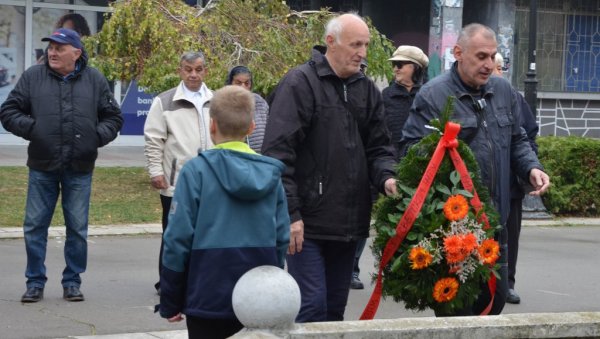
[345,92]
[320,186]
[493,162]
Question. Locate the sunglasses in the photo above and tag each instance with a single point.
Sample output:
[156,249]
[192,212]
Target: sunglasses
[400,64]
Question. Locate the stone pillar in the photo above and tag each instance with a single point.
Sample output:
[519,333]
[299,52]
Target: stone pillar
[266,300]
[446,23]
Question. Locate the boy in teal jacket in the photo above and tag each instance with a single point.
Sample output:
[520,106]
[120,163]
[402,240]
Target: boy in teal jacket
[228,215]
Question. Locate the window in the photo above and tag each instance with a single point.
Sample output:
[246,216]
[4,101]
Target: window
[567,46]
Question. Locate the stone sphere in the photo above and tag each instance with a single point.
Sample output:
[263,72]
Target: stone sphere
[266,297]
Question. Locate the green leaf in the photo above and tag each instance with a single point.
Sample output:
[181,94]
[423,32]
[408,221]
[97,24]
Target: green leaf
[454,178]
[443,189]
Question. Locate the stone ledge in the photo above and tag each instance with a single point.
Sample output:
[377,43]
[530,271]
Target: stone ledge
[532,325]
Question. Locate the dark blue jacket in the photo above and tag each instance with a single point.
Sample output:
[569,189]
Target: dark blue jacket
[494,133]
[228,215]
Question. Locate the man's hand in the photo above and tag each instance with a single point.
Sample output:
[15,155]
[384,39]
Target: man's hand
[539,180]
[177,318]
[159,182]
[296,237]
[390,187]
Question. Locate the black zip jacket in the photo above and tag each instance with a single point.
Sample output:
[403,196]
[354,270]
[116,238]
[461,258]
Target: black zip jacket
[330,134]
[64,120]
[494,132]
[397,101]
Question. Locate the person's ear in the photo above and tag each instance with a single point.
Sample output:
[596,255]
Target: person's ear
[213,126]
[77,53]
[251,128]
[457,51]
[330,41]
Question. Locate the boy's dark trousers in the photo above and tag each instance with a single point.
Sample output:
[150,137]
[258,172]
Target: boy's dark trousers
[202,328]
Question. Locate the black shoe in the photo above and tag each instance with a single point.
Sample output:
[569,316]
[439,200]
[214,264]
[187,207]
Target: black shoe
[33,295]
[356,284]
[72,293]
[512,297]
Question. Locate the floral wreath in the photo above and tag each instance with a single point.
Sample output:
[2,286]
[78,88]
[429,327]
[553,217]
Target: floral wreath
[448,254]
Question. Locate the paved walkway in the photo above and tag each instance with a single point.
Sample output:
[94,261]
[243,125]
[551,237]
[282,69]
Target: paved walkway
[133,156]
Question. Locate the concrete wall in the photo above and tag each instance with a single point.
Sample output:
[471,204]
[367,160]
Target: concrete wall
[533,325]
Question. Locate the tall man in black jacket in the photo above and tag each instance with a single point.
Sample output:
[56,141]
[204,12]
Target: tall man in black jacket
[66,111]
[326,124]
[490,118]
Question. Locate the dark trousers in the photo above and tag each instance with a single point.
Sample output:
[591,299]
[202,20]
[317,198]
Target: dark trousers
[360,246]
[514,231]
[166,206]
[323,271]
[201,328]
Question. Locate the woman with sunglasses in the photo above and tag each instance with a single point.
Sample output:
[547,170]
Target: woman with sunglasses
[410,67]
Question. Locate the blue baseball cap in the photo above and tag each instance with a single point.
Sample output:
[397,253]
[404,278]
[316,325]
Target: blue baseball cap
[65,36]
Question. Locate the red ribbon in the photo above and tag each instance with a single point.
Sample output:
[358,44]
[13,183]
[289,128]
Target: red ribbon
[450,143]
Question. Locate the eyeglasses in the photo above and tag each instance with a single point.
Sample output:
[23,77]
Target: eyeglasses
[400,64]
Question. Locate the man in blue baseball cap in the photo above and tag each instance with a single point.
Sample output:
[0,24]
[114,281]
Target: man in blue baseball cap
[65,110]
[64,50]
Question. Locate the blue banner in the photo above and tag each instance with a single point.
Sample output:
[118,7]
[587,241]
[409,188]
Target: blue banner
[135,107]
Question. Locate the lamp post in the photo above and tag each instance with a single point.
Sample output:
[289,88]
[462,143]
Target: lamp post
[533,207]
[531,81]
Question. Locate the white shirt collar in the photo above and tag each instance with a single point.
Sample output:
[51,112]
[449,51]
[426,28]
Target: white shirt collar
[190,95]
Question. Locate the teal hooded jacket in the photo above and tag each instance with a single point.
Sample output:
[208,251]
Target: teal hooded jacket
[228,215]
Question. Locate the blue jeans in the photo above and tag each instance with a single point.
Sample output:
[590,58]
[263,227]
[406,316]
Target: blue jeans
[42,195]
[323,271]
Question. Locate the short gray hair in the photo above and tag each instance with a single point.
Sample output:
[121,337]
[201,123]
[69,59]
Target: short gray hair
[470,30]
[334,26]
[192,56]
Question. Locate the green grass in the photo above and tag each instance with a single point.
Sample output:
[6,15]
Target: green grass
[120,195]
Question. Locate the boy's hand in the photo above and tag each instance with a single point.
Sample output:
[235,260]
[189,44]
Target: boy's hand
[176,318]
[296,237]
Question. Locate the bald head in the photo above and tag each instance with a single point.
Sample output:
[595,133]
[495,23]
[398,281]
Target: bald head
[347,38]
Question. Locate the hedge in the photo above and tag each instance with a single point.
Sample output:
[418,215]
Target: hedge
[571,162]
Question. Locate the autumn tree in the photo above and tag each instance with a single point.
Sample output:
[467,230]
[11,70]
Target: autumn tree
[143,39]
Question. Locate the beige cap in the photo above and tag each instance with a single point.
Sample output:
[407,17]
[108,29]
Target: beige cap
[412,54]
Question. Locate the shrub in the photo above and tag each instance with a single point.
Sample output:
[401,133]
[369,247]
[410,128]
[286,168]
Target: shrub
[571,162]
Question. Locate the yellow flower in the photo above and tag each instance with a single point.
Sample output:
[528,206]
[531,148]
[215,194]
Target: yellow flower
[456,207]
[419,257]
[445,289]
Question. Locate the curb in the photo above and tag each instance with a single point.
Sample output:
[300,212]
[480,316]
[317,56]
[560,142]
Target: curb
[101,230]
[152,229]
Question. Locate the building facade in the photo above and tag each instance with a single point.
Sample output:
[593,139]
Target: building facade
[567,59]
[568,47]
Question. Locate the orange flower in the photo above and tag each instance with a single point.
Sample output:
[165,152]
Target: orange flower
[469,242]
[453,246]
[420,258]
[489,251]
[456,207]
[445,289]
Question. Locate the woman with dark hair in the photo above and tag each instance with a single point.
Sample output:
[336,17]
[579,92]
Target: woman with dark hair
[241,76]
[410,67]
[71,21]
[75,22]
